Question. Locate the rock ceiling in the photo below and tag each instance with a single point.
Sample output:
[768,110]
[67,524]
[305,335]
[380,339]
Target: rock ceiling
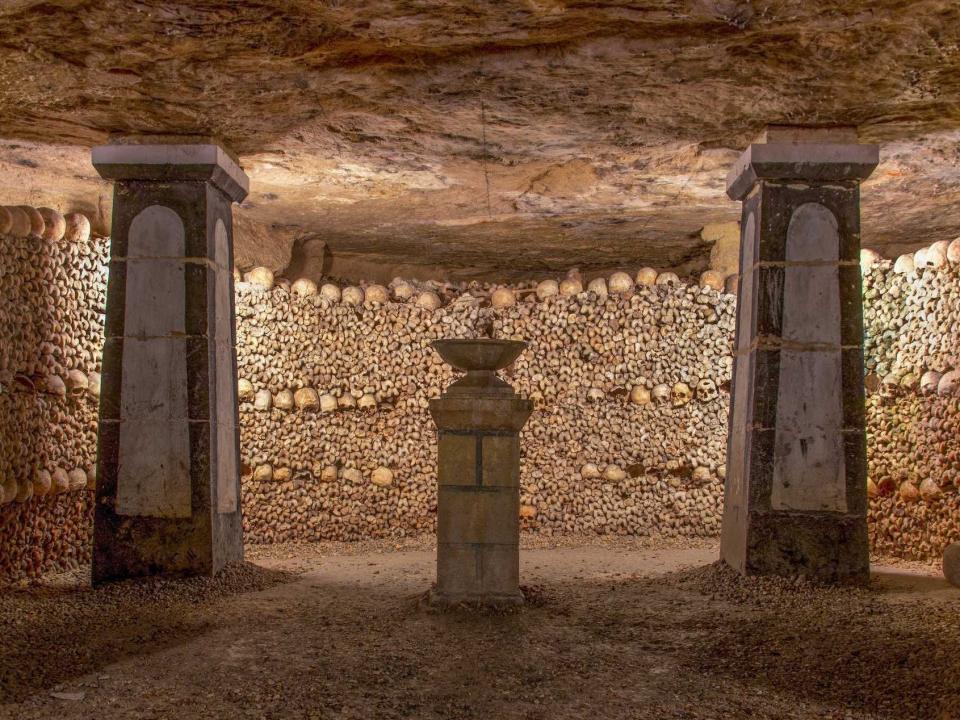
[485,139]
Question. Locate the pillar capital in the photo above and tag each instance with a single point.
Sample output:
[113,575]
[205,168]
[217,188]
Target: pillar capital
[809,156]
[151,160]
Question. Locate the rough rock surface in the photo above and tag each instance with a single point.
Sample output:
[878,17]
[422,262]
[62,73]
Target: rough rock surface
[485,139]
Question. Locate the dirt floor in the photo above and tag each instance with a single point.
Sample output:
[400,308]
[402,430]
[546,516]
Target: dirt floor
[614,629]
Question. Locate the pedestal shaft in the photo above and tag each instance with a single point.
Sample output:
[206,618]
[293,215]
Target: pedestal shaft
[168,495]
[795,496]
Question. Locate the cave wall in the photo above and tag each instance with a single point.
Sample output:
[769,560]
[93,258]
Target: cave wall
[630,390]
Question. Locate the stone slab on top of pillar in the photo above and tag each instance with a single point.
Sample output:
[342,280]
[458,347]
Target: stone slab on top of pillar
[795,495]
[168,440]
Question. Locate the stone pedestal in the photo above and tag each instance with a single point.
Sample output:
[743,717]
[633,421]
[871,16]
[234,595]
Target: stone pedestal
[478,500]
[168,488]
[795,498]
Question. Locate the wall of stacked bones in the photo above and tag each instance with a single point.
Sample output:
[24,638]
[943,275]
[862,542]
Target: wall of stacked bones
[629,375]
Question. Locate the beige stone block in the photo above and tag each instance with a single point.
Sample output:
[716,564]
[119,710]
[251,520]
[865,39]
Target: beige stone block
[478,516]
[457,459]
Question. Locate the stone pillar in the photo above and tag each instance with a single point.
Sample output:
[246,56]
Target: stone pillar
[478,499]
[168,488]
[795,499]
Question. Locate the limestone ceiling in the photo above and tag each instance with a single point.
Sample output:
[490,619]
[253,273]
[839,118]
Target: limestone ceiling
[485,139]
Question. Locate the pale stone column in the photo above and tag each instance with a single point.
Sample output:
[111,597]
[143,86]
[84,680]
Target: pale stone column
[478,499]
[168,487]
[795,498]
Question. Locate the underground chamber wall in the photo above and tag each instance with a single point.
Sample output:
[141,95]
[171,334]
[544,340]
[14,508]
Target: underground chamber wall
[627,435]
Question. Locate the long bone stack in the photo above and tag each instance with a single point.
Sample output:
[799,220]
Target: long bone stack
[52,289]
[629,378]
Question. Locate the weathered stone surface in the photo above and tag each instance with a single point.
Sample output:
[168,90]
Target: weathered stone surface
[951,564]
[168,489]
[795,498]
[511,143]
[478,499]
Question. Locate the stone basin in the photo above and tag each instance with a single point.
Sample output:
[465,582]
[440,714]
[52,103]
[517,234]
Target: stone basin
[480,354]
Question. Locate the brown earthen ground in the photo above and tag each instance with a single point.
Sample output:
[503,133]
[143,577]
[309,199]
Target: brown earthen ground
[616,628]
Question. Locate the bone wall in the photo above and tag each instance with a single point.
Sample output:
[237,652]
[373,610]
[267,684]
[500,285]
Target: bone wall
[629,375]
[593,459]
[912,352]
[52,289]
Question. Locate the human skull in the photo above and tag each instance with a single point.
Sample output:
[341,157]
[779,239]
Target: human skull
[598,286]
[42,481]
[24,490]
[904,264]
[661,394]
[639,395]
[680,395]
[948,383]
[54,224]
[595,394]
[93,384]
[889,383]
[76,381]
[613,473]
[571,286]
[953,251]
[701,474]
[706,390]
[8,490]
[382,477]
[56,386]
[261,277]
[352,295]
[589,471]
[331,292]
[263,400]
[646,276]
[304,287]
[668,278]
[620,283]
[60,481]
[306,399]
[376,294]
[6,221]
[731,284]
[712,279]
[547,288]
[244,389]
[428,300]
[328,403]
[503,298]
[909,381]
[367,402]
[936,256]
[283,400]
[868,259]
[929,381]
[403,290]
[37,225]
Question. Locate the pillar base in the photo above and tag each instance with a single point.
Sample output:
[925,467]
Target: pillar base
[818,547]
[493,601]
